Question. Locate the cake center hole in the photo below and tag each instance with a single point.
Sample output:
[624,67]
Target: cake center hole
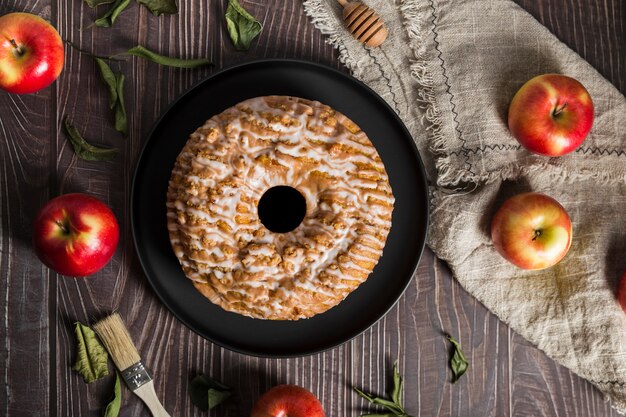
[282,209]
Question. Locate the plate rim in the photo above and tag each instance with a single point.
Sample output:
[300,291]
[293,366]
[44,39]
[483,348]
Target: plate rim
[347,77]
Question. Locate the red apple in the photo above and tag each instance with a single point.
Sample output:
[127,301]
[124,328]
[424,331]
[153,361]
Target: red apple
[532,231]
[75,234]
[551,114]
[621,292]
[287,401]
[31,53]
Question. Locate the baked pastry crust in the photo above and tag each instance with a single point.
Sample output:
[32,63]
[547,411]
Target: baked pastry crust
[222,172]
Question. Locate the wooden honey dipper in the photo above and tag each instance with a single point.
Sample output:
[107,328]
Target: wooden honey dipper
[364,24]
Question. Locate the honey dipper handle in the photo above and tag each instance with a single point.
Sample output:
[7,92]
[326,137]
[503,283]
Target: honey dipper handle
[148,396]
[343,2]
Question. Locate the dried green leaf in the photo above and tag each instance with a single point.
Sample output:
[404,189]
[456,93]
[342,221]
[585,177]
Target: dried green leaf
[95,3]
[142,52]
[397,385]
[394,405]
[91,357]
[389,405]
[121,120]
[109,79]
[115,83]
[379,415]
[207,393]
[458,363]
[364,394]
[242,26]
[83,51]
[113,408]
[112,14]
[158,7]
[216,397]
[88,152]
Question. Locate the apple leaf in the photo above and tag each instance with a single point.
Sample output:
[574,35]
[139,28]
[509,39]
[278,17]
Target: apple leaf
[109,79]
[396,392]
[379,415]
[91,357]
[113,408]
[394,406]
[207,393]
[216,397]
[145,53]
[95,3]
[458,363]
[242,26]
[396,409]
[88,152]
[158,7]
[121,121]
[112,14]
[115,83]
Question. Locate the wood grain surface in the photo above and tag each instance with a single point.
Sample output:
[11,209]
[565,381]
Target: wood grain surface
[507,376]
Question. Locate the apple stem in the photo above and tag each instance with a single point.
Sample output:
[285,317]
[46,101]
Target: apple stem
[64,227]
[18,48]
[558,110]
[536,234]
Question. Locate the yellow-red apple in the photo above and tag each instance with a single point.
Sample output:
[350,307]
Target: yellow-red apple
[287,401]
[551,114]
[31,53]
[532,231]
[75,234]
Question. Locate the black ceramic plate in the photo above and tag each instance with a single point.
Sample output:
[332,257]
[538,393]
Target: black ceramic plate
[360,309]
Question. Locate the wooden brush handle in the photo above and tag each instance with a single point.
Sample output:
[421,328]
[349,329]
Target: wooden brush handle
[148,396]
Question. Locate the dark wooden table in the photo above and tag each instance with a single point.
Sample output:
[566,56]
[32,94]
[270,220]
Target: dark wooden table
[507,377]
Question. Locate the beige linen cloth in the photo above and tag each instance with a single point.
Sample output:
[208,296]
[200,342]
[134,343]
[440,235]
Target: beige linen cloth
[449,68]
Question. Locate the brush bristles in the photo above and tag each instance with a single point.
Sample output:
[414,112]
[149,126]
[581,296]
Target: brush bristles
[117,341]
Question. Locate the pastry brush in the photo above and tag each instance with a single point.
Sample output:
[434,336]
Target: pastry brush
[120,346]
